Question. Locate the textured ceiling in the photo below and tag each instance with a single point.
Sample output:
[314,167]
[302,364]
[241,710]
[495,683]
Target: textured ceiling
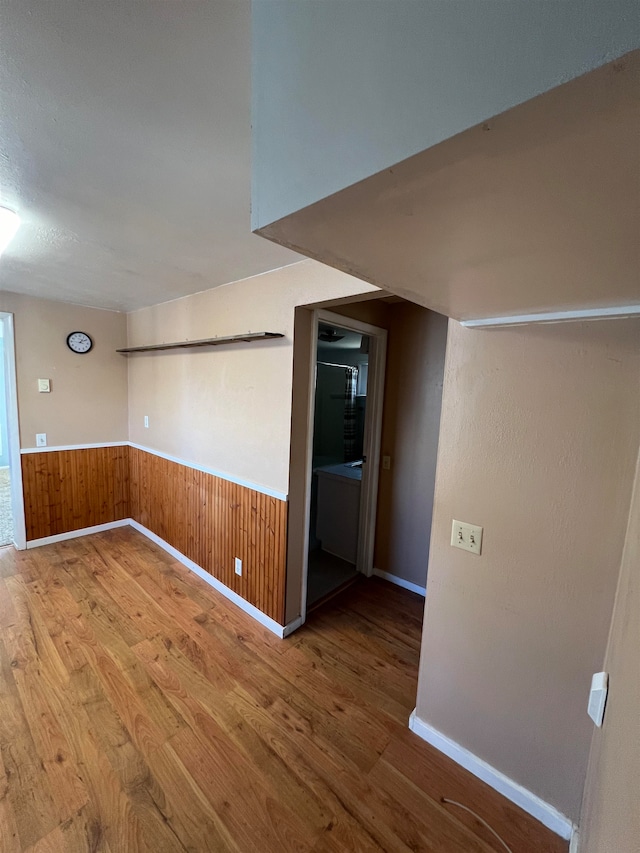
[125,147]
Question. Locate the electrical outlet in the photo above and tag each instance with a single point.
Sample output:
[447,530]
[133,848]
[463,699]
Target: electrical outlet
[386,463]
[466,536]
[238,565]
[146,421]
[41,439]
[44,386]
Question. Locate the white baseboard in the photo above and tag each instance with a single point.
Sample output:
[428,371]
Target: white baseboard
[280,630]
[290,627]
[529,802]
[76,534]
[574,844]
[252,611]
[398,581]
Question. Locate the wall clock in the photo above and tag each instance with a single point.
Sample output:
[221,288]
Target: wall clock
[79,342]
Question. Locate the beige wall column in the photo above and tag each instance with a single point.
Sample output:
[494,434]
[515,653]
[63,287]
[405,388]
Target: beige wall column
[610,813]
[538,444]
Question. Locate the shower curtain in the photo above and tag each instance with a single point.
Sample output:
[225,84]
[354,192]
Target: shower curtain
[350,387]
[336,418]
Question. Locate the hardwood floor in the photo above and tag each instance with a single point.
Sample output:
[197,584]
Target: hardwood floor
[140,711]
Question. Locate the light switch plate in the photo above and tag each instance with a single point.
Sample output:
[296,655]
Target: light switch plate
[237,564]
[44,386]
[41,439]
[598,697]
[466,536]
[386,463]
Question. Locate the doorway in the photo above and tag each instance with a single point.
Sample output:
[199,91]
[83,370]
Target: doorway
[12,523]
[406,367]
[344,445]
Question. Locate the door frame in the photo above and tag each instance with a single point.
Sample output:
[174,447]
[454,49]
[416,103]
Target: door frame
[13,426]
[372,440]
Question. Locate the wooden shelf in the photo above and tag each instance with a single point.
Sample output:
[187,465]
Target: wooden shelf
[207,342]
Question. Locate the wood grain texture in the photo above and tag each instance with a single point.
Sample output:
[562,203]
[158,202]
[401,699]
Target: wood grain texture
[67,490]
[211,521]
[208,519]
[142,711]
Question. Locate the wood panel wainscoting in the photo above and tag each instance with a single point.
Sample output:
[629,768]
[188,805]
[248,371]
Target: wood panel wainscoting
[67,490]
[208,519]
[211,521]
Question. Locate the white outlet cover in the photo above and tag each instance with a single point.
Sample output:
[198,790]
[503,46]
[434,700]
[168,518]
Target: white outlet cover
[238,565]
[466,536]
[598,697]
[44,386]
[41,439]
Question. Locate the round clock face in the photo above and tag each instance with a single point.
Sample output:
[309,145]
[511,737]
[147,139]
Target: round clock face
[79,342]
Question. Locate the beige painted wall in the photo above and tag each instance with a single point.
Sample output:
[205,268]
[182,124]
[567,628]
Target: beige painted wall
[88,399]
[539,437]
[611,813]
[410,430]
[227,408]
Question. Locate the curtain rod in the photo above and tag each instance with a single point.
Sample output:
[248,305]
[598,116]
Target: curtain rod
[332,364]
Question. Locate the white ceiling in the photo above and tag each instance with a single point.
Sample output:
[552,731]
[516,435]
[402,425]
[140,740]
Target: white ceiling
[125,146]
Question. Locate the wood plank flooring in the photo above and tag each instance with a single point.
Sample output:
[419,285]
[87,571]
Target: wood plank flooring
[141,711]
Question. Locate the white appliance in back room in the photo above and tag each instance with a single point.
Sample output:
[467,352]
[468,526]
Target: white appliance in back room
[339,509]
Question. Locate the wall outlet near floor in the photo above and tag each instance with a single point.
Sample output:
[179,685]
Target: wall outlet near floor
[237,562]
[466,536]
[146,421]
[41,439]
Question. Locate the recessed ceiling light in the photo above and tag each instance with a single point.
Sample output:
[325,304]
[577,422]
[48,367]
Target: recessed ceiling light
[9,224]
